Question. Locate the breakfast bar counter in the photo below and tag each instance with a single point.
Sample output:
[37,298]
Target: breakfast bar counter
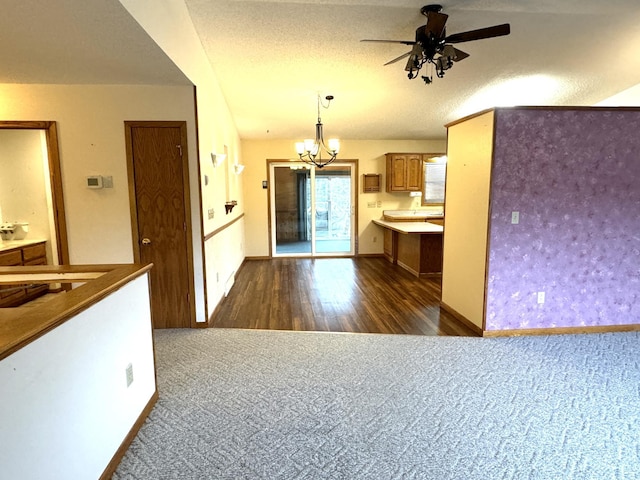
[414,246]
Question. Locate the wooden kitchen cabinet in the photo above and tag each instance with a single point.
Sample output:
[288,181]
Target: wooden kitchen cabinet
[23,255]
[404,172]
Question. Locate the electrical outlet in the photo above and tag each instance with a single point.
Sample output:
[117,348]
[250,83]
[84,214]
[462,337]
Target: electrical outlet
[375,239]
[540,297]
[211,212]
[371,204]
[129,375]
[379,203]
[515,218]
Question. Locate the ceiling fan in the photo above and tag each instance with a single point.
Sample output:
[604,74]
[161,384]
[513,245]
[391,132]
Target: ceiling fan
[432,45]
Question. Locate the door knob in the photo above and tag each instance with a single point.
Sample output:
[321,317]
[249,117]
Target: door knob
[146,241]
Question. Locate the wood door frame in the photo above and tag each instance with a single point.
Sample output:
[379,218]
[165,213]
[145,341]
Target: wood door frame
[55,178]
[133,206]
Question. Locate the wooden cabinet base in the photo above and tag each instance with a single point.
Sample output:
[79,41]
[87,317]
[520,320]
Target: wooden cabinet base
[420,254]
[27,255]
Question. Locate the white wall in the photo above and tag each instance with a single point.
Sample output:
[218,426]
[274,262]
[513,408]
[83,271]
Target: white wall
[90,120]
[371,159]
[65,405]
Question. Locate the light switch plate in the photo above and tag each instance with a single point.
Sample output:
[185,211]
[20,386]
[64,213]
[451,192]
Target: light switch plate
[515,218]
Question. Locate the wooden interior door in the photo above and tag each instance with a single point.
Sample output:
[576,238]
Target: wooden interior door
[159,174]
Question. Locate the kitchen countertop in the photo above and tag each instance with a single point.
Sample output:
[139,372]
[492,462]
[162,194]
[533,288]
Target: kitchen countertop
[11,244]
[410,227]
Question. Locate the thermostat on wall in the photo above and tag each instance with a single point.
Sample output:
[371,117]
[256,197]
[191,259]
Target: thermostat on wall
[94,181]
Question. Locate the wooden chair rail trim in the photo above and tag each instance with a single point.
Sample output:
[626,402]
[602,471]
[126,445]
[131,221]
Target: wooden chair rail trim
[209,236]
[20,326]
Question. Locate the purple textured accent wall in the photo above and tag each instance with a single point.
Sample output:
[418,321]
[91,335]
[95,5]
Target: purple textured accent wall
[574,177]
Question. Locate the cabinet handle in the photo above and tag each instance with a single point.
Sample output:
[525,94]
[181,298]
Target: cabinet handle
[146,241]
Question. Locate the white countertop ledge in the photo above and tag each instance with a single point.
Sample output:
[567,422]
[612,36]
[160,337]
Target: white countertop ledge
[410,227]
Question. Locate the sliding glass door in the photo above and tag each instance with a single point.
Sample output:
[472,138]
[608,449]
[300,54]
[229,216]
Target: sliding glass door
[312,209]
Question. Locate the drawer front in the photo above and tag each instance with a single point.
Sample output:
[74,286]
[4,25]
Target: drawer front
[10,259]
[11,295]
[34,251]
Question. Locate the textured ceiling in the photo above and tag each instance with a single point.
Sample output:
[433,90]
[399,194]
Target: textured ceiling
[273,57]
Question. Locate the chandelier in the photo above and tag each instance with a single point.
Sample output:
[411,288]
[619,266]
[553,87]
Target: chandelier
[310,151]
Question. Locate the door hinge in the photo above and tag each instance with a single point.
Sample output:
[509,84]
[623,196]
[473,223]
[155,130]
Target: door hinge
[179,147]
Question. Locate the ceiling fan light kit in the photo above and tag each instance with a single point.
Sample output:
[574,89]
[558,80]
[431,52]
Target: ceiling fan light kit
[433,46]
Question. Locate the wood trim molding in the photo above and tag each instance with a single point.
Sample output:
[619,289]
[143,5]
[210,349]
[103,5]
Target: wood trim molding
[537,331]
[561,330]
[209,236]
[124,446]
[464,321]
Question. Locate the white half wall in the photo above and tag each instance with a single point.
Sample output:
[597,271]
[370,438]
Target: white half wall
[65,407]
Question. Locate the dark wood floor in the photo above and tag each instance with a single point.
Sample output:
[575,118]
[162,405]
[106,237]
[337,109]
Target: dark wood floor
[360,295]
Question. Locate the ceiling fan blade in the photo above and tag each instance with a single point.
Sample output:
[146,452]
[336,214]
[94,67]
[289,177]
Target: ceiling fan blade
[398,58]
[489,32]
[414,55]
[404,42]
[435,24]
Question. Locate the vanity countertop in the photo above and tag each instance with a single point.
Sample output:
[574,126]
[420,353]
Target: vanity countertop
[13,244]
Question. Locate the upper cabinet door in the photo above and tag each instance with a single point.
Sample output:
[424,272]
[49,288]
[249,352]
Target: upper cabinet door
[404,172]
[414,173]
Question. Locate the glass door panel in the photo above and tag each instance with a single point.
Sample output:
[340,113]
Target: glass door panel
[333,222]
[312,209]
[290,209]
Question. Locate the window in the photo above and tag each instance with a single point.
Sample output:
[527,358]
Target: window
[435,169]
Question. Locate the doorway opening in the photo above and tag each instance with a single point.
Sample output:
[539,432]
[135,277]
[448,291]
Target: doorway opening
[44,208]
[312,210]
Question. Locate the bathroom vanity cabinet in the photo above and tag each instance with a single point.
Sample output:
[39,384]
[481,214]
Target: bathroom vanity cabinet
[21,253]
